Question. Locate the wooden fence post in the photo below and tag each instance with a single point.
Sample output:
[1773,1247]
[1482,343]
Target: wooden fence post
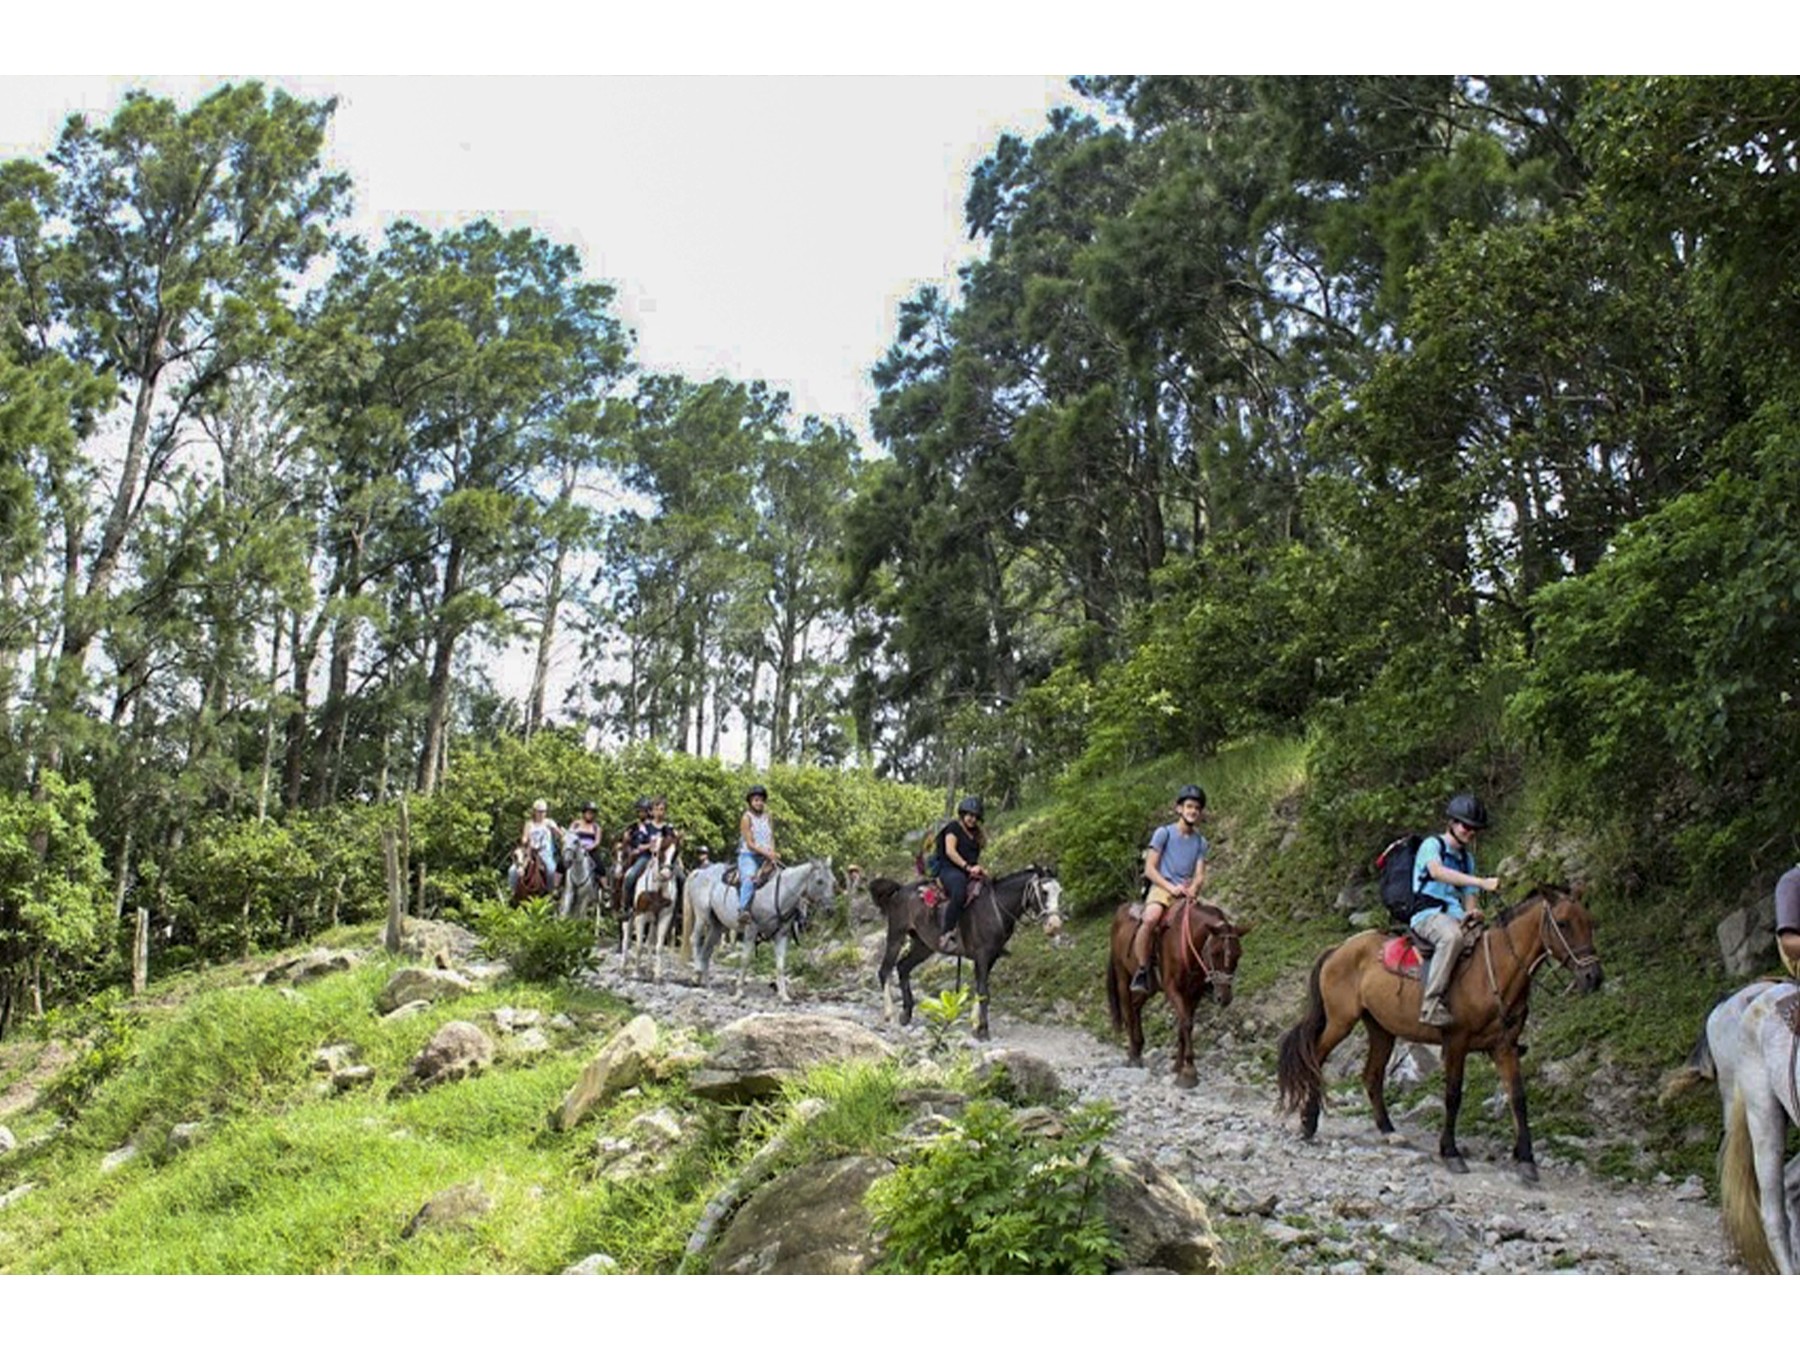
[140,952]
[396,884]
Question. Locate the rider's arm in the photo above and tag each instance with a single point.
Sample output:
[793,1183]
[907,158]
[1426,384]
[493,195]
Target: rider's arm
[1435,868]
[744,834]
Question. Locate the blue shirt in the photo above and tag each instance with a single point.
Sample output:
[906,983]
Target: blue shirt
[1178,855]
[1426,884]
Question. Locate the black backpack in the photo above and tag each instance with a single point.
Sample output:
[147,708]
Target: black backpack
[1395,866]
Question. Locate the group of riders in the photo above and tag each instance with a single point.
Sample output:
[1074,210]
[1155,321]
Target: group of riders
[1446,881]
[650,837]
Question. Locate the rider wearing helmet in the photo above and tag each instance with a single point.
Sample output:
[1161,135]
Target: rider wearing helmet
[640,843]
[1175,867]
[958,861]
[586,828]
[756,843]
[1444,873]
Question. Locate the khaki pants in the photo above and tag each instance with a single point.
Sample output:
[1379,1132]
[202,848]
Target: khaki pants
[1444,935]
[1788,962]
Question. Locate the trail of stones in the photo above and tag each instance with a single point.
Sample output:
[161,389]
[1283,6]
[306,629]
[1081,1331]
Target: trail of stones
[1350,1202]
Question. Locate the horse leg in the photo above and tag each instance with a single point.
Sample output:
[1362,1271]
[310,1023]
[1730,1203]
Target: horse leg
[1768,1139]
[916,952]
[1185,1074]
[1506,1061]
[1374,1074]
[1133,1007]
[661,938]
[1456,1053]
[688,920]
[781,988]
[982,967]
[889,954]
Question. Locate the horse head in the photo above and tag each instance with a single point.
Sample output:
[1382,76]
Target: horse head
[819,888]
[1045,897]
[1218,951]
[1568,933]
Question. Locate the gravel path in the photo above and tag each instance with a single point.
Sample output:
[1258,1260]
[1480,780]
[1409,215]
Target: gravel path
[1349,1202]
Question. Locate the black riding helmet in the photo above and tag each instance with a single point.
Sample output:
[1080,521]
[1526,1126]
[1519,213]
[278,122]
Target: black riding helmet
[1191,793]
[757,791]
[969,806]
[641,804]
[1467,807]
[589,806]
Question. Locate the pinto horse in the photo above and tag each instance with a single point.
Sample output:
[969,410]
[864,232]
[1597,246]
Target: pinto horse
[1194,955]
[653,908]
[1748,1046]
[985,927]
[1488,998]
[530,878]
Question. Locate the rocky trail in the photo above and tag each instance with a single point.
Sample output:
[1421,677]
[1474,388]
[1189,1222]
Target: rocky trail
[1350,1202]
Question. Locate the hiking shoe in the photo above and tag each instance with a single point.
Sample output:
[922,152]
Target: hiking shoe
[1140,982]
[1437,1015]
[950,944]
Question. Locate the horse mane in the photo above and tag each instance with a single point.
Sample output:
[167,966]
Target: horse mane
[998,882]
[1547,893]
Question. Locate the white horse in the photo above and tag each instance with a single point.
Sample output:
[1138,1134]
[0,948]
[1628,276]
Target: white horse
[580,889]
[1747,1047]
[652,910]
[777,907]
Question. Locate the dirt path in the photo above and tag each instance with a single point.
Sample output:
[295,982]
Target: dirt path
[1348,1203]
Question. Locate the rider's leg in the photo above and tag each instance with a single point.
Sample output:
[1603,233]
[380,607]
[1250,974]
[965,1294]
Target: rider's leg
[956,895]
[632,874]
[746,880]
[1443,935]
[1140,945]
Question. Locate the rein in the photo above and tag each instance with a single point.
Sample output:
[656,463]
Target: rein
[1547,926]
[1213,977]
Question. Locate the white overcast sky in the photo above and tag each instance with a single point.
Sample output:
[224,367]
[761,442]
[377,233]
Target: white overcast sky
[762,183]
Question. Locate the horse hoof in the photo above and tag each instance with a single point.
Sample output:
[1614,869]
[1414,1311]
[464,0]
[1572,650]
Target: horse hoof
[1134,1061]
[1187,1079]
[1528,1172]
[1455,1164]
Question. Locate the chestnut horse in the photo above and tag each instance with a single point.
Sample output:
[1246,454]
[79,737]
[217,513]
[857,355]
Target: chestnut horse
[1194,955]
[529,875]
[1488,997]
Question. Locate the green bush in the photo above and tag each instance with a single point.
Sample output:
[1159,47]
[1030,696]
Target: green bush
[537,944]
[987,1198]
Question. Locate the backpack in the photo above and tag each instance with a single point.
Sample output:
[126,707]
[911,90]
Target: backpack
[927,860]
[1394,866]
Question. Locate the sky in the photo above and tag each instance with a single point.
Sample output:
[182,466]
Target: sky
[756,227]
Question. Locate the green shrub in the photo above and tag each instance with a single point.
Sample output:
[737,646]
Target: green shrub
[110,1036]
[987,1198]
[537,944]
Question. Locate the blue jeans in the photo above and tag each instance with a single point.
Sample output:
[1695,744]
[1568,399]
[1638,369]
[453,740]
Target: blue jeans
[747,864]
[633,872]
[955,882]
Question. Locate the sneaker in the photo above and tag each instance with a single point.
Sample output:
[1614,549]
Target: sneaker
[950,944]
[1436,1015]
[1140,982]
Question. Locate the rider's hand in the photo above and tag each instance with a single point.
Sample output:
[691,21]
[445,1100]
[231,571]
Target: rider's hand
[1490,884]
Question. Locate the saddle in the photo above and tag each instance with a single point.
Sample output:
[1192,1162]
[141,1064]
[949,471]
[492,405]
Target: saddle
[733,876]
[1402,956]
[932,895]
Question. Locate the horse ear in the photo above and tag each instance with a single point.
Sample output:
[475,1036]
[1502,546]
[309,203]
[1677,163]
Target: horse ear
[1244,929]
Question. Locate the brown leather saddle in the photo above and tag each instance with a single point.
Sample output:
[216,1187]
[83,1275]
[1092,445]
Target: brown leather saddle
[763,873]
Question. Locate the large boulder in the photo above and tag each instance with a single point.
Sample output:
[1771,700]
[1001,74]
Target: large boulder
[1161,1224]
[621,1063]
[756,1055]
[416,982]
[810,1221]
[1018,1077]
[313,965]
[7,1142]
[459,1050]
[437,944]
[1747,940]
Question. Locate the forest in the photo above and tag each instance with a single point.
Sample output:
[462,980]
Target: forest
[1444,425]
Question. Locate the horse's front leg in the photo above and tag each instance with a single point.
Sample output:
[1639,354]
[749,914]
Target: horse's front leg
[981,998]
[1185,1074]
[1133,1004]
[1506,1061]
[916,951]
[661,939]
[746,950]
[1456,1053]
[781,987]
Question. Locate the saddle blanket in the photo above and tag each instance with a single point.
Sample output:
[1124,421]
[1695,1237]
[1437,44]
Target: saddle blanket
[1400,956]
[932,895]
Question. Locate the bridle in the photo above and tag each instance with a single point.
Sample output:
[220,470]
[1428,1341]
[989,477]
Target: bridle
[1576,960]
[1218,978]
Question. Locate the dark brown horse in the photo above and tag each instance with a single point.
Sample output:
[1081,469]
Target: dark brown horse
[1488,998]
[984,929]
[1194,955]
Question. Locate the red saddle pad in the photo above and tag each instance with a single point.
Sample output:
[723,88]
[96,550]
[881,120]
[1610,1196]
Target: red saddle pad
[1399,955]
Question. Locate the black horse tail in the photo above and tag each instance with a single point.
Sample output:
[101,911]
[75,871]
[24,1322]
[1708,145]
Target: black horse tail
[1297,1074]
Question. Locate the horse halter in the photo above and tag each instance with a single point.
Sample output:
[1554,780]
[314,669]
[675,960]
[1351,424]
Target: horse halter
[1216,976]
[1576,962]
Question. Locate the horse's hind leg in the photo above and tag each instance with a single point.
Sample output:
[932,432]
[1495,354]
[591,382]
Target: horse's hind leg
[1456,1053]
[915,953]
[1768,1140]
[982,969]
[1374,1074]
[781,987]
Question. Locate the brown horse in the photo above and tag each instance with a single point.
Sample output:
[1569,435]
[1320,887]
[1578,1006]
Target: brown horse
[1488,998]
[1194,955]
[529,876]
